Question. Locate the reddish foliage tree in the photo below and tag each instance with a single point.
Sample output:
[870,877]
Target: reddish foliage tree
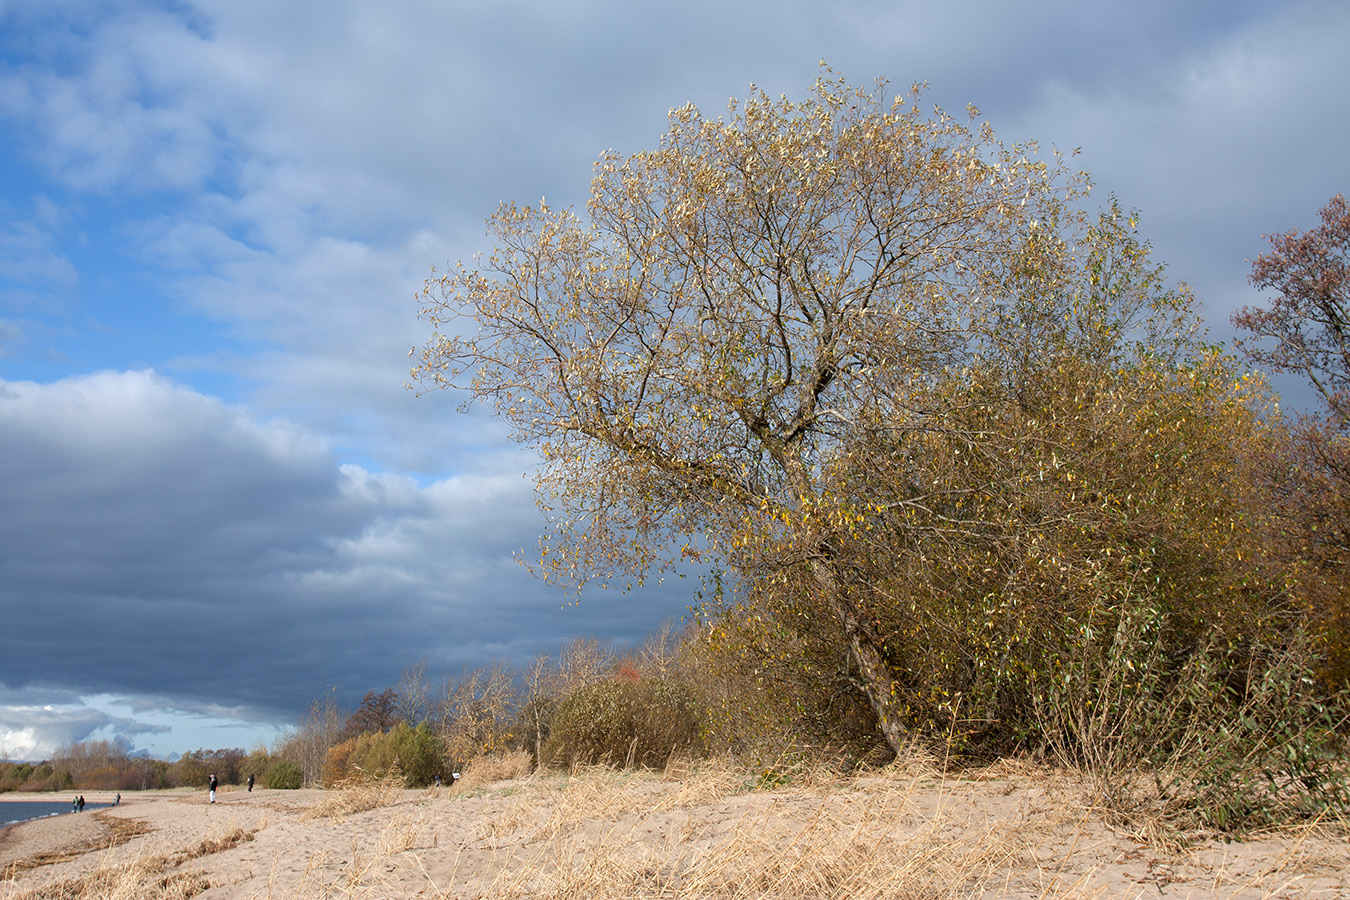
[376,714]
[1309,324]
[627,670]
[1309,319]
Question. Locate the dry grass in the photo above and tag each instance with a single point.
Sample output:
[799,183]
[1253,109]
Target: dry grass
[485,770]
[812,841]
[120,830]
[703,783]
[357,796]
[403,833]
[547,805]
[142,878]
[211,845]
[714,830]
[899,834]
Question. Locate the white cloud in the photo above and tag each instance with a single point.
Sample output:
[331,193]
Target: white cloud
[157,725]
[34,732]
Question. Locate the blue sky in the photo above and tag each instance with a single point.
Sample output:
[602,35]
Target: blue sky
[216,496]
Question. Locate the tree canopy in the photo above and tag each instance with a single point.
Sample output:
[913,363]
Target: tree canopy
[831,345]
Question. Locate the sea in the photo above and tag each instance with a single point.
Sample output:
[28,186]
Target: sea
[12,811]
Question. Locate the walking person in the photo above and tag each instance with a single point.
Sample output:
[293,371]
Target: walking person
[250,784]
[214,784]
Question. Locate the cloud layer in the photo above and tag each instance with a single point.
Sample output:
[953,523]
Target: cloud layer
[161,543]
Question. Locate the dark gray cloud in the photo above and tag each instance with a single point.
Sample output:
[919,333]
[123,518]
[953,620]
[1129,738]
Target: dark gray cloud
[159,542]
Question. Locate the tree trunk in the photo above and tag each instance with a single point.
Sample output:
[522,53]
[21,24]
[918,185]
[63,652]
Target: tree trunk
[877,683]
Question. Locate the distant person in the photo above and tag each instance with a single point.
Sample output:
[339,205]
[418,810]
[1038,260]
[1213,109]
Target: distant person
[117,801]
[250,784]
[75,804]
[214,784]
[80,801]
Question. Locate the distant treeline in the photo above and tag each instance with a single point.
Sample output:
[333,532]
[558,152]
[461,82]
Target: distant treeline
[107,765]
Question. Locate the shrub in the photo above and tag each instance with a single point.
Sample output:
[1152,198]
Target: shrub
[1237,738]
[1259,747]
[189,771]
[635,723]
[419,753]
[53,780]
[766,691]
[415,752]
[283,775]
[337,764]
[256,764]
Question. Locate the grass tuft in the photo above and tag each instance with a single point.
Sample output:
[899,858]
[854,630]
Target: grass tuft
[357,796]
[495,767]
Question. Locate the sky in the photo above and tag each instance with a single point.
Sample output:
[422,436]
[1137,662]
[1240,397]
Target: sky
[217,498]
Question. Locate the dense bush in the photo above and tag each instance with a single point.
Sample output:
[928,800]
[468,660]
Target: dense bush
[337,765]
[767,690]
[417,753]
[1256,745]
[13,776]
[640,722]
[283,775]
[189,771]
[420,754]
[255,765]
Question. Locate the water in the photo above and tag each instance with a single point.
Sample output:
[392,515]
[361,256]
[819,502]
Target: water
[23,810]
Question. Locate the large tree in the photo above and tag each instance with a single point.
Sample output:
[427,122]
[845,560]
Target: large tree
[735,353]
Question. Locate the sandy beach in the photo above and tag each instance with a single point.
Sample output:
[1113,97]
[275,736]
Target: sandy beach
[598,834]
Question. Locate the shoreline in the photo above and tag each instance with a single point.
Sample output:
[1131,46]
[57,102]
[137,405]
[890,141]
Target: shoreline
[157,822]
[63,811]
[94,804]
[58,831]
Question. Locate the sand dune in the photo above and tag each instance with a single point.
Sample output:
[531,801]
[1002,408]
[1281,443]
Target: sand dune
[1008,834]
